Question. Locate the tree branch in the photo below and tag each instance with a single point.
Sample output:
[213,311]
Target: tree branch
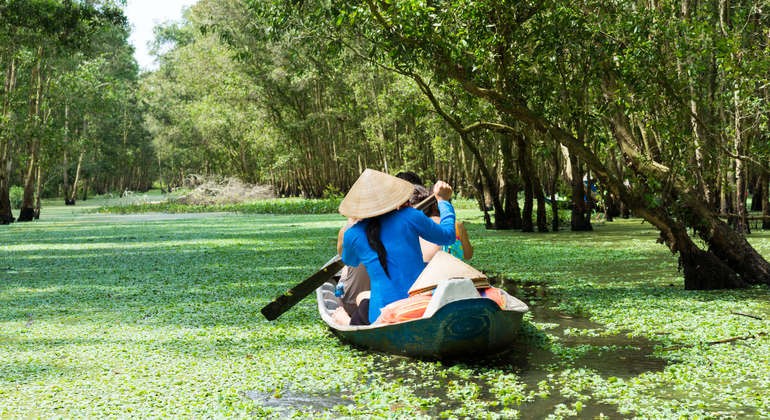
[722,341]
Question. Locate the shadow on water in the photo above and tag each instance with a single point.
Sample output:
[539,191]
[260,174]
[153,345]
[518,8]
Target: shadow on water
[618,356]
[571,342]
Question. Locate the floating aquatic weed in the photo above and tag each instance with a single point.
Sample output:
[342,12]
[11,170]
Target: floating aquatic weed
[166,324]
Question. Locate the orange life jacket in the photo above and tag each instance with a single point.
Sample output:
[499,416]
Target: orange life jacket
[414,307]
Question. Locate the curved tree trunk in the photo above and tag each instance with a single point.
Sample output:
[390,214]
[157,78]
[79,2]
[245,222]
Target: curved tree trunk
[703,270]
[729,246]
[504,198]
[611,209]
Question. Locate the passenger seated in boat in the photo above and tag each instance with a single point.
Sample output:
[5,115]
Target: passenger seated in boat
[461,248]
[386,240]
[355,280]
[355,287]
[441,270]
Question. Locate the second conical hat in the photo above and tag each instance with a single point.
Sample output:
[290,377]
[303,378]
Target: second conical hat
[375,193]
[444,266]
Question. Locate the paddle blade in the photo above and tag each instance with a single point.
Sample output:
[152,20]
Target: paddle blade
[292,296]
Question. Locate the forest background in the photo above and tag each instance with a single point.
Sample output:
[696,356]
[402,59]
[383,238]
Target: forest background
[663,105]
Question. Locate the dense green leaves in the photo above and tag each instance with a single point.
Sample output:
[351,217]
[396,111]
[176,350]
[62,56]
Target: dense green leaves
[275,85]
[68,103]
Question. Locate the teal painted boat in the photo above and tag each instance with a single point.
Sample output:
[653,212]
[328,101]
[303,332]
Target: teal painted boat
[465,327]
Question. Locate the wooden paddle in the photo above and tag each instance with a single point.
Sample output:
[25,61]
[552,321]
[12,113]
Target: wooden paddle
[291,297]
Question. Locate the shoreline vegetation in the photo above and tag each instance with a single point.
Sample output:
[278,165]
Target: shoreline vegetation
[179,203]
[156,317]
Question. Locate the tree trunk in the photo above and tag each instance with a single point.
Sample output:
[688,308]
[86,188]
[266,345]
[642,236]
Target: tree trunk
[758,194]
[554,213]
[65,160]
[85,190]
[610,207]
[526,176]
[765,201]
[510,217]
[724,198]
[74,194]
[27,212]
[6,214]
[581,215]
[6,139]
[553,182]
[730,246]
[764,174]
[684,65]
[541,219]
[65,178]
[38,190]
[489,181]
[727,248]
[614,207]
[742,221]
[533,190]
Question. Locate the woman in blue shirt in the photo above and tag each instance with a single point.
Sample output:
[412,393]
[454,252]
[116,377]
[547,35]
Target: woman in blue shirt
[386,238]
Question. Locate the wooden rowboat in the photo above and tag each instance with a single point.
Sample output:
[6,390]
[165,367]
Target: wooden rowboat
[461,328]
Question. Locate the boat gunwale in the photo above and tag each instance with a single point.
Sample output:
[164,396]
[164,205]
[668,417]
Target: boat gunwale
[513,305]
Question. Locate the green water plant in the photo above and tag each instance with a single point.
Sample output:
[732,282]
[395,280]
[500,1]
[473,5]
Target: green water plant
[105,315]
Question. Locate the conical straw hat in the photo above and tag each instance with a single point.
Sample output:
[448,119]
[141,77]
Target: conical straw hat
[375,193]
[444,266]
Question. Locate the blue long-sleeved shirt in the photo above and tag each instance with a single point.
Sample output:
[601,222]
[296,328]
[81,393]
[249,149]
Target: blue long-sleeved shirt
[400,232]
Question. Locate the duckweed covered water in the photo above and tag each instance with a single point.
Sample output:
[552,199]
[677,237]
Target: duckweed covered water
[104,316]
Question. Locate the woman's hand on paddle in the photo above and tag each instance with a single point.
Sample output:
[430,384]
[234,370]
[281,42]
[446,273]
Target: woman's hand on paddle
[442,190]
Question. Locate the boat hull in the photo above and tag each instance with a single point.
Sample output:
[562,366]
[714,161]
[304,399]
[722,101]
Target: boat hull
[463,328]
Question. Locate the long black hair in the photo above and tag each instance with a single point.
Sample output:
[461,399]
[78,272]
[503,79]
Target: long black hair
[373,237]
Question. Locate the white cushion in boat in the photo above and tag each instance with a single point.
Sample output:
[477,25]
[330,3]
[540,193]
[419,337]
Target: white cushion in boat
[448,291]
